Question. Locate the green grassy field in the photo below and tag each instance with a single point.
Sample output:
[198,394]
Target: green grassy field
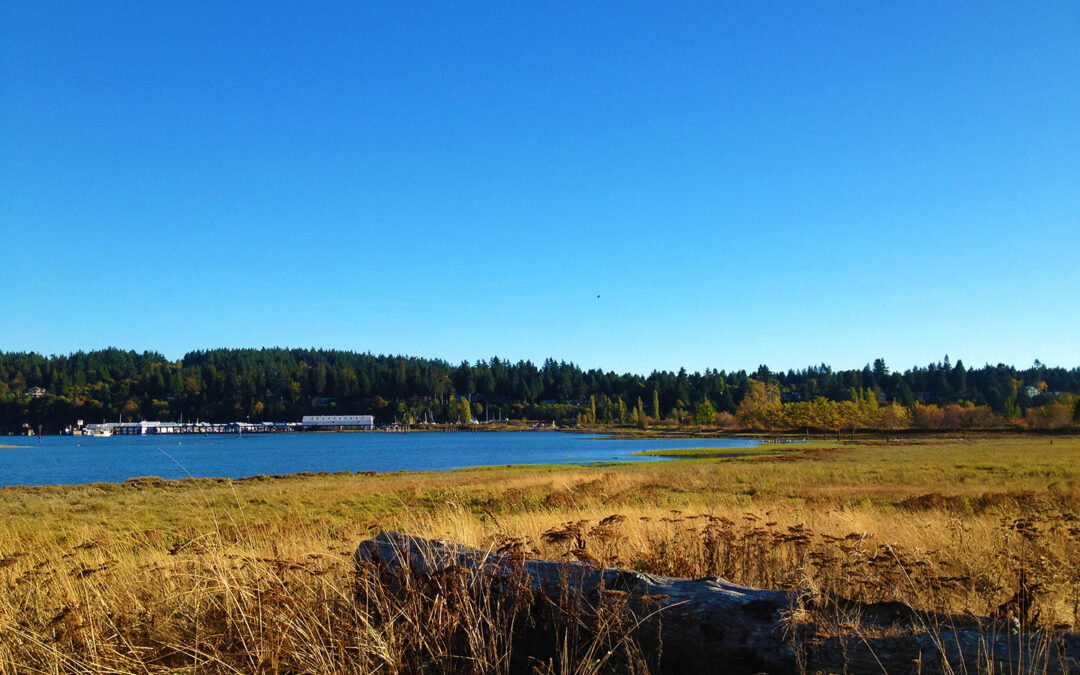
[790,450]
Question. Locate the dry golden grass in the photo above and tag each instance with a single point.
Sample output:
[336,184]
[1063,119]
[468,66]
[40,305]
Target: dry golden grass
[256,575]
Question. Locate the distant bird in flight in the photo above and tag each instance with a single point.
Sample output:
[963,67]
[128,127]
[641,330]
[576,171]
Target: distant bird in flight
[598,295]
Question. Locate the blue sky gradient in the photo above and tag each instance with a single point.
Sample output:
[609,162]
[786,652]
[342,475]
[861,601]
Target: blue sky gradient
[740,183]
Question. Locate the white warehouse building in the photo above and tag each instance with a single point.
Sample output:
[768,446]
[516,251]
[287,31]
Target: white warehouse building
[338,422]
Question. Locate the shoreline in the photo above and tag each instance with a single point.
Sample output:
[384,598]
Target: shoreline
[625,458]
[769,447]
[140,482]
[655,432]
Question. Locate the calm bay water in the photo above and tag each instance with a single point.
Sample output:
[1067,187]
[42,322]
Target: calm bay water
[81,459]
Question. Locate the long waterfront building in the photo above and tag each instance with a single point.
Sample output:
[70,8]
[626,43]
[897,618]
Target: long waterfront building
[338,422]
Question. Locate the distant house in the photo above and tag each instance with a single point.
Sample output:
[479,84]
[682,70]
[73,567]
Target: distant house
[1031,391]
[35,392]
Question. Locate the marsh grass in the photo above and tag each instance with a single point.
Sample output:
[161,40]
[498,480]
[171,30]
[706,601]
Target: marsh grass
[256,575]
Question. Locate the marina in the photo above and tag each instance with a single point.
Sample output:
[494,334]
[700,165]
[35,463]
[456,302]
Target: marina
[156,428]
[152,428]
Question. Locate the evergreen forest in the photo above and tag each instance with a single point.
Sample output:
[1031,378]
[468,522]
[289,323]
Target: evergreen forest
[274,384]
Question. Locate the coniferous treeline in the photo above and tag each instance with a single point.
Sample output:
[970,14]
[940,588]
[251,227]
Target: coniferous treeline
[284,384]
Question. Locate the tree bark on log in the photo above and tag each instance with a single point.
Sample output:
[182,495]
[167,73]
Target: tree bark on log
[712,625]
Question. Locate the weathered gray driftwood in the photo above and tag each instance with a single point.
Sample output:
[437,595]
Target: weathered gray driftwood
[711,625]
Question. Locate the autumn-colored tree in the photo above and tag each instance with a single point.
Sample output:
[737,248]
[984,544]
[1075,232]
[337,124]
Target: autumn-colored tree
[726,420]
[130,410]
[1055,415]
[760,399]
[927,416]
[459,410]
[868,412]
[894,416]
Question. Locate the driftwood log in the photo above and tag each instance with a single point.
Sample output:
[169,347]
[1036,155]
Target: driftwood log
[711,625]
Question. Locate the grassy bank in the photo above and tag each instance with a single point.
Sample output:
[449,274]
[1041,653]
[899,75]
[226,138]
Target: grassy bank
[798,450]
[256,575]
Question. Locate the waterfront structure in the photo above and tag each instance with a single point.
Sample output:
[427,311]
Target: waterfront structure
[154,428]
[338,422]
[146,428]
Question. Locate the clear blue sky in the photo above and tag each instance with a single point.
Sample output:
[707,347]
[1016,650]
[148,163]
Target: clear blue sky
[740,183]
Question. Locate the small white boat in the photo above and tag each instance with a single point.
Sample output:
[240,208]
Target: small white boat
[98,430]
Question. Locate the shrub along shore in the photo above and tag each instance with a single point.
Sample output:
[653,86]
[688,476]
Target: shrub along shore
[221,575]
